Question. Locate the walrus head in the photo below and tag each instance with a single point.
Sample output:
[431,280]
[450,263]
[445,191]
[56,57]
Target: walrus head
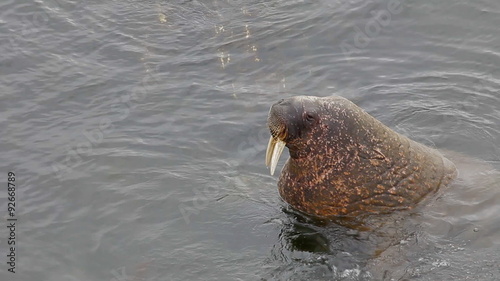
[299,123]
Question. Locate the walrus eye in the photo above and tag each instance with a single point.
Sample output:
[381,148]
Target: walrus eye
[310,117]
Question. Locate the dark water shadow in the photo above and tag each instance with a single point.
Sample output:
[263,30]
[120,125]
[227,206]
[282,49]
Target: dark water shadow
[319,249]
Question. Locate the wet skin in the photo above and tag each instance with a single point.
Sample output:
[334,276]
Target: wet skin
[344,162]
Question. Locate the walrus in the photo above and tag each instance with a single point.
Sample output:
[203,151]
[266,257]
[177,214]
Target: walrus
[343,162]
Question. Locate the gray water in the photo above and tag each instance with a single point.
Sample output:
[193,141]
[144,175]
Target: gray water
[137,133]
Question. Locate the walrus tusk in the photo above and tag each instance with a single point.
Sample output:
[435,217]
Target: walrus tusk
[273,153]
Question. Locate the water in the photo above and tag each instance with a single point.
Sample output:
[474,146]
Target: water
[137,134]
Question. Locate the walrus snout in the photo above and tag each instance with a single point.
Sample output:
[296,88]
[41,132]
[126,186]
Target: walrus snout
[276,120]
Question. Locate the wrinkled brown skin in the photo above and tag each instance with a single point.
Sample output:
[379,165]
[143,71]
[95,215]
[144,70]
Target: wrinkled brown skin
[347,163]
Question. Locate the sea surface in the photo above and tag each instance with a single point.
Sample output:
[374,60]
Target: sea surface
[136,131]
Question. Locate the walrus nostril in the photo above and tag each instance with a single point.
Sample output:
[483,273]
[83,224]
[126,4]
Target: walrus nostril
[280,102]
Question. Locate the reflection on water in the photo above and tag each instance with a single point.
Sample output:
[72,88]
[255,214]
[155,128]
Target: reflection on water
[137,130]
